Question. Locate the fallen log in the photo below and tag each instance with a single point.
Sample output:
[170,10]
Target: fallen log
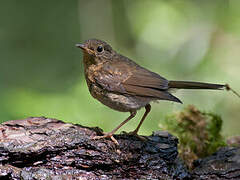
[44,148]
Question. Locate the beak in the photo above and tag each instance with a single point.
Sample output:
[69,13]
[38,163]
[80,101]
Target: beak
[85,49]
[82,46]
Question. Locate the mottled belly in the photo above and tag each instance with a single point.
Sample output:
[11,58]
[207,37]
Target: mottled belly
[118,102]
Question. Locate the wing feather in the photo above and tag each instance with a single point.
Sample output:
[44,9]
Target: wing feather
[145,78]
[131,79]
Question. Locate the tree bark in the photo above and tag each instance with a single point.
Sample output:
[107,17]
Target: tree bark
[44,148]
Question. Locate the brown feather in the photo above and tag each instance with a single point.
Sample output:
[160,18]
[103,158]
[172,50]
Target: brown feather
[145,78]
[194,85]
[150,92]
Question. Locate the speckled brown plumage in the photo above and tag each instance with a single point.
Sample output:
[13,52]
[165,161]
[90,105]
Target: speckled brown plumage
[121,84]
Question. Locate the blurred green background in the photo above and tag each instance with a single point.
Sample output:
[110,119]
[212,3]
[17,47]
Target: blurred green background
[41,70]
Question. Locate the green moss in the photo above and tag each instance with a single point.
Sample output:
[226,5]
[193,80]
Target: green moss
[199,133]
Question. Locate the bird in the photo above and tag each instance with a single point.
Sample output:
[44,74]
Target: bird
[121,84]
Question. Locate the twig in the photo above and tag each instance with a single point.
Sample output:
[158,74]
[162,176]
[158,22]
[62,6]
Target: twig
[228,88]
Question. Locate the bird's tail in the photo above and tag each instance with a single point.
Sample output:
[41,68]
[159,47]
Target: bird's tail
[195,85]
[200,85]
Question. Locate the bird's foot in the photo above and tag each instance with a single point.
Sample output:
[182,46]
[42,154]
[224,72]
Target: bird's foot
[106,135]
[134,133]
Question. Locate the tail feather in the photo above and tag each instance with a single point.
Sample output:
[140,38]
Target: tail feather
[194,85]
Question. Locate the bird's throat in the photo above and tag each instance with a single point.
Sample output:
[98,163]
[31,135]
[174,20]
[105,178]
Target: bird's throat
[88,60]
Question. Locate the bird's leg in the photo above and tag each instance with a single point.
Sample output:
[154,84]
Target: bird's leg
[110,134]
[148,109]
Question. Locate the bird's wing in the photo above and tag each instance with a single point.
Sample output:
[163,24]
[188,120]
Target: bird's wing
[110,78]
[131,79]
[144,78]
[149,84]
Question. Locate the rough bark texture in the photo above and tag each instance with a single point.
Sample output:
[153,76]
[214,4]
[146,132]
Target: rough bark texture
[224,165]
[42,148]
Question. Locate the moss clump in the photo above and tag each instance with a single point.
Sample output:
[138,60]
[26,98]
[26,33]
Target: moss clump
[198,133]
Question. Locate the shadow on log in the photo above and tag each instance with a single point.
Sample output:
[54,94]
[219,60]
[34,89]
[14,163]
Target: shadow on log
[42,148]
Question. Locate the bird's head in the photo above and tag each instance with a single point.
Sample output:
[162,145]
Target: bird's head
[96,49]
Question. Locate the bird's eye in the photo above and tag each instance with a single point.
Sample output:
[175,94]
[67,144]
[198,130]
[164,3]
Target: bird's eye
[99,48]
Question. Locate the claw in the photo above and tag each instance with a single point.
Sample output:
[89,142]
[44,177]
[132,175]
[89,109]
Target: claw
[134,133]
[107,135]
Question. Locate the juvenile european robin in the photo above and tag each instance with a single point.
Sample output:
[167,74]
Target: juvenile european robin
[121,84]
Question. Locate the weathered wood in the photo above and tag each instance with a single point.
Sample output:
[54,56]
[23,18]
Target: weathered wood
[43,148]
[222,165]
